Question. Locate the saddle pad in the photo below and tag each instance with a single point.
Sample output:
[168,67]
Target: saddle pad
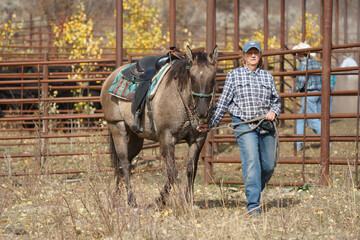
[125,89]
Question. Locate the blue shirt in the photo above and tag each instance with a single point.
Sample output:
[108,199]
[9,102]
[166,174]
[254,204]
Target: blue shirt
[332,82]
[247,95]
[314,81]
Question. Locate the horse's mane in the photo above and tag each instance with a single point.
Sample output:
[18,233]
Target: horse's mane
[180,68]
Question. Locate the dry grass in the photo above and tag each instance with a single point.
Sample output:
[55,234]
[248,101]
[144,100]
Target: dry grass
[85,206]
[49,208]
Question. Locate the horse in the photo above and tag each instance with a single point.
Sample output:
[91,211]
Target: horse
[183,100]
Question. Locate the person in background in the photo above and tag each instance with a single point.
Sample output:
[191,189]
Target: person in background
[313,103]
[250,92]
[332,87]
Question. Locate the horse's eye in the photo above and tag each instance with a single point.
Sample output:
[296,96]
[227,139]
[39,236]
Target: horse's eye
[192,79]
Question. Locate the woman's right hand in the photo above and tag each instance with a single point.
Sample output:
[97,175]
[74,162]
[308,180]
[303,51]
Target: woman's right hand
[203,127]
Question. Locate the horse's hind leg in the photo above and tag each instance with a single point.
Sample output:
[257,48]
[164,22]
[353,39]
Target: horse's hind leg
[135,145]
[121,161]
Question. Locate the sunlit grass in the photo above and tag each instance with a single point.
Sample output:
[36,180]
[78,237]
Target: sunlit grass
[85,206]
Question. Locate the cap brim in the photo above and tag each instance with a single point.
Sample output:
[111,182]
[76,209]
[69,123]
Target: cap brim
[246,50]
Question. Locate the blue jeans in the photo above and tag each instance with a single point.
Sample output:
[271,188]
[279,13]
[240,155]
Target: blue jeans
[257,160]
[312,106]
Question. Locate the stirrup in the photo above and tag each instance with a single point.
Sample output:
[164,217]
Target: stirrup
[135,127]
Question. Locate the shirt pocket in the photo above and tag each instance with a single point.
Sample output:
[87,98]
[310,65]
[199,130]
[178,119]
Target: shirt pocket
[242,90]
[265,93]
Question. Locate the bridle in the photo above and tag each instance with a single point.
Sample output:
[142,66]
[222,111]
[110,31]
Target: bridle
[201,95]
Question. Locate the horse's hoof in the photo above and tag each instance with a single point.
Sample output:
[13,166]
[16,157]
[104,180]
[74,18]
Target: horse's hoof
[151,205]
[160,203]
[135,209]
[133,205]
[196,207]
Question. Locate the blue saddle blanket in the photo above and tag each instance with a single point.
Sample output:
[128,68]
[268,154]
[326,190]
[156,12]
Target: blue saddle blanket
[125,89]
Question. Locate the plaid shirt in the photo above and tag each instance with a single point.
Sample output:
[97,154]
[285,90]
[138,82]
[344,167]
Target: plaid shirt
[314,81]
[247,95]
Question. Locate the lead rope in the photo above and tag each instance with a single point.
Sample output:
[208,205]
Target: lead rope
[186,106]
[260,119]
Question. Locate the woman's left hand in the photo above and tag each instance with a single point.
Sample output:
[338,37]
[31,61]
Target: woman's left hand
[270,115]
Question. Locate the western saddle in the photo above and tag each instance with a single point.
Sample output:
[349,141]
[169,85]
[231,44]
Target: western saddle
[143,72]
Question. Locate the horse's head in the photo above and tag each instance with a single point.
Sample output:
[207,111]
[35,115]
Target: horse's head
[202,73]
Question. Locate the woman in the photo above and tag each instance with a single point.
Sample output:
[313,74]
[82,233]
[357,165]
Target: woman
[250,92]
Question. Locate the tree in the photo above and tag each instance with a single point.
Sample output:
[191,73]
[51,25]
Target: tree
[313,36]
[76,34]
[8,30]
[141,26]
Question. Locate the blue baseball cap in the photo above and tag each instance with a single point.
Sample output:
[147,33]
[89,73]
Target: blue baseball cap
[251,44]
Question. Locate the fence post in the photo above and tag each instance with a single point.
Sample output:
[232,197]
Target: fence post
[282,57]
[207,156]
[266,32]
[172,23]
[40,41]
[119,33]
[357,131]
[45,94]
[325,94]
[210,25]
[236,30]
[31,30]
[303,18]
[210,44]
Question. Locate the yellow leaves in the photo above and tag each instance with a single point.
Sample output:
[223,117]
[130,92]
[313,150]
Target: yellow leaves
[312,37]
[318,211]
[165,214]
[77,33]
[143,30]
[7,32]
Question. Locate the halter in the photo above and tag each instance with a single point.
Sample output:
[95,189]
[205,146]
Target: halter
[202,95]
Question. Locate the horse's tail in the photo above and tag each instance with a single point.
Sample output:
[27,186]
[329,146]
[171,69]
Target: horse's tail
[113,155]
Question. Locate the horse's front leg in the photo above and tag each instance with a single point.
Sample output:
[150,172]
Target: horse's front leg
[167,149]
[194,152]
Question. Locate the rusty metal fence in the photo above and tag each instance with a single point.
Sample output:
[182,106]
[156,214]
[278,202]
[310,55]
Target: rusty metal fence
[32,118]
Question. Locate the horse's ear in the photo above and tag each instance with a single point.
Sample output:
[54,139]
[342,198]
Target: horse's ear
[213,56]
[189,53]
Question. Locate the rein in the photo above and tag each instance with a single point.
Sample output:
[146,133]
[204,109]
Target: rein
[260,119]
[232,126]
[186,106]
